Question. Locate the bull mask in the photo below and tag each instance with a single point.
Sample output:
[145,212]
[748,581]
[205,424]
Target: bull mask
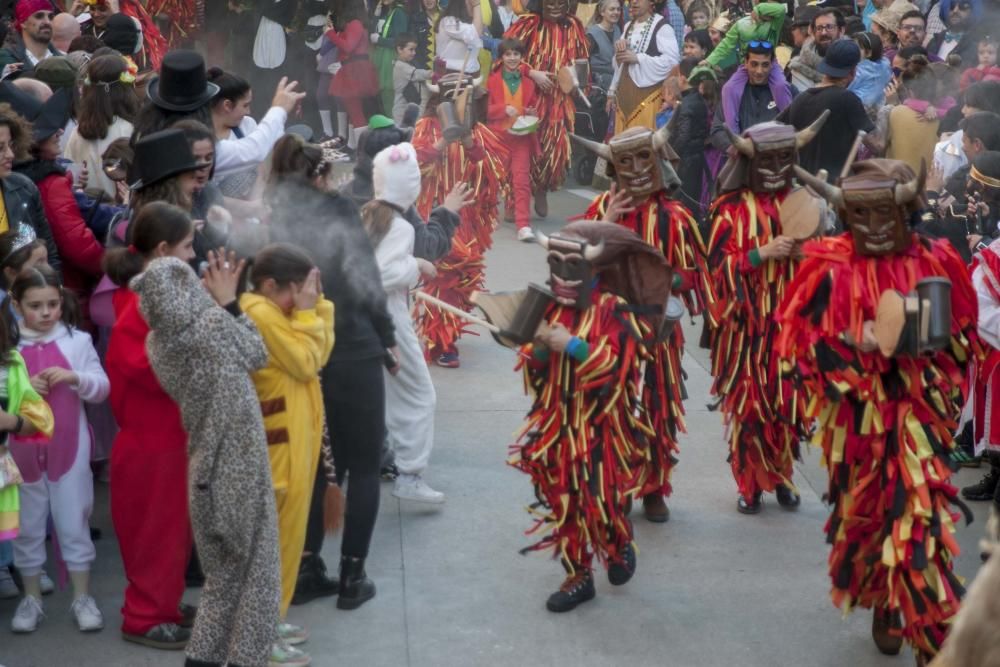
[875,206]
[639,160]
[772,149]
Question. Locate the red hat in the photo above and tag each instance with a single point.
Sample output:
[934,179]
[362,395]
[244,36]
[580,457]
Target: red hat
[25,8]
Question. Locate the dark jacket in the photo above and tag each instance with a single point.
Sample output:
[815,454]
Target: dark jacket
[79,250]
[432,239]
[16,54]
[329,226]
[689,129]
[967,47]
[24,205]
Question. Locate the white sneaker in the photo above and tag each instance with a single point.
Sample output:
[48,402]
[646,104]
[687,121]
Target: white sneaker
[46,584]
[88,616]
[525,235]
[293,635]
[28,613]
[413,487]
[283,655]
[8,589]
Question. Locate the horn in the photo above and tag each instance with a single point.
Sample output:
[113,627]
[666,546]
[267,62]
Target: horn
[592,252]
[601,149]
[660,138]
[803,137]
[433,87]
[542,239]
[831,193]
[906,192]
[742,144]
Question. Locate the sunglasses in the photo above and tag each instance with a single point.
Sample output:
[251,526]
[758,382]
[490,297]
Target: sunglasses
[757,44]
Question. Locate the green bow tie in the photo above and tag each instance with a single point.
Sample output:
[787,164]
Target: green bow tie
[513,80]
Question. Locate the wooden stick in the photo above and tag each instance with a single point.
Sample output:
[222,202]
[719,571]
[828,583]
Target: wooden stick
[458,312]
[855,147]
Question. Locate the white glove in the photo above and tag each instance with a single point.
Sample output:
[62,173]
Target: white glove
[374,38]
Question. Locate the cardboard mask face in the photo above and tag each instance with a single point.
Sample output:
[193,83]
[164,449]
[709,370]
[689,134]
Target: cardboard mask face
[877,222]
[571,274]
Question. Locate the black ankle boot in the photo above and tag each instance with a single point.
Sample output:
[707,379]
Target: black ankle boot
[313,582]
[985,488]
[786,497]
[619,573]
[355,586]
[576,589]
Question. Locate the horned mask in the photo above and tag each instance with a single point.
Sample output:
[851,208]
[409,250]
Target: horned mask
[639,160]
[876,202]
[772,150]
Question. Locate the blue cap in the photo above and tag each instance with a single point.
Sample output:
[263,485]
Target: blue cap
[841,58]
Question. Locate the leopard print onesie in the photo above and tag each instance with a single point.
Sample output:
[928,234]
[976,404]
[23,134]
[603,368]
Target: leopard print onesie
[203,357]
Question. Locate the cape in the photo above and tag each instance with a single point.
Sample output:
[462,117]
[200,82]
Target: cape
[462,271]
[885,427]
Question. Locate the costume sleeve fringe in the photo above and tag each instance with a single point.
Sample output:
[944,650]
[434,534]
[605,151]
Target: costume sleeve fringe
[581,441]
[885,427]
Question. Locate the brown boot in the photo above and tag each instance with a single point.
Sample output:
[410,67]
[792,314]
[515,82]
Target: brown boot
[654,507]
[542,203]
[883,622]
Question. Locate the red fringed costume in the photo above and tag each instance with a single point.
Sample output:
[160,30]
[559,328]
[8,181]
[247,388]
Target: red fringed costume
[762,411]
[885,427]
[986,393]
[462,271]
[551,45]
[578,444]
[154,46]
[187,18]
[665,224]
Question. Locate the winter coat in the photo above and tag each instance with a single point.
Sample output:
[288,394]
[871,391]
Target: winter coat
[329,226]
[23,203]
[80,251]
[689,131]
[870,80]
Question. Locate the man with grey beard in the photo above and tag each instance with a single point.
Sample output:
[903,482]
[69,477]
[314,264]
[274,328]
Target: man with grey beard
[33,21]
[826,28]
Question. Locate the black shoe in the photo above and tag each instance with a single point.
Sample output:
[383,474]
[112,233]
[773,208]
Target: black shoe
[620,573]
[355,586]
[751,507]
[985,488]
[786,498]
[389,472]
[577,588]
[188,613]
[313,582]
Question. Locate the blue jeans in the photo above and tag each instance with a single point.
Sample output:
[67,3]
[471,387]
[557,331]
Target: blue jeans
[6,553]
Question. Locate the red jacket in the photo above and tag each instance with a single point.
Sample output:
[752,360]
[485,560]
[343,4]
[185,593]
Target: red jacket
[496,110]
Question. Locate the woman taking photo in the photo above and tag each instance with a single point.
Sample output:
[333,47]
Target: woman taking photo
[105,111]
[307,211]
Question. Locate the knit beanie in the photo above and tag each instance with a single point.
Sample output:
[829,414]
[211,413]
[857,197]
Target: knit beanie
[396,176]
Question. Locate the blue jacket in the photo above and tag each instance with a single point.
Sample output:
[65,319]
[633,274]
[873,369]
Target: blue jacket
[870,80]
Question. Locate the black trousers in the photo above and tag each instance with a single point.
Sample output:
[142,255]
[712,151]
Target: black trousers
[354,399]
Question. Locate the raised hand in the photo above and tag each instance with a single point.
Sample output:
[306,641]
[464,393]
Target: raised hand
[222,276]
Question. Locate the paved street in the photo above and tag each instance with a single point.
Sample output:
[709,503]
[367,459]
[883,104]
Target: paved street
[713,587]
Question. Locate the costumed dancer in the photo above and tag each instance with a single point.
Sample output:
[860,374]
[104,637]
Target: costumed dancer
[553,39]
[187,18]
[479,159]
[153,46]
[640,160]
[750,261]
[581,443]
[885,398]
[644,57]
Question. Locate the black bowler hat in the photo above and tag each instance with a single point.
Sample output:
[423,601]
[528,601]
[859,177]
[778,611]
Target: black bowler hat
[159,156]
[182,84]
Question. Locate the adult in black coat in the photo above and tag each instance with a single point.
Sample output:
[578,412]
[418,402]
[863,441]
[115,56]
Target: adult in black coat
[689,131]
[306,211]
